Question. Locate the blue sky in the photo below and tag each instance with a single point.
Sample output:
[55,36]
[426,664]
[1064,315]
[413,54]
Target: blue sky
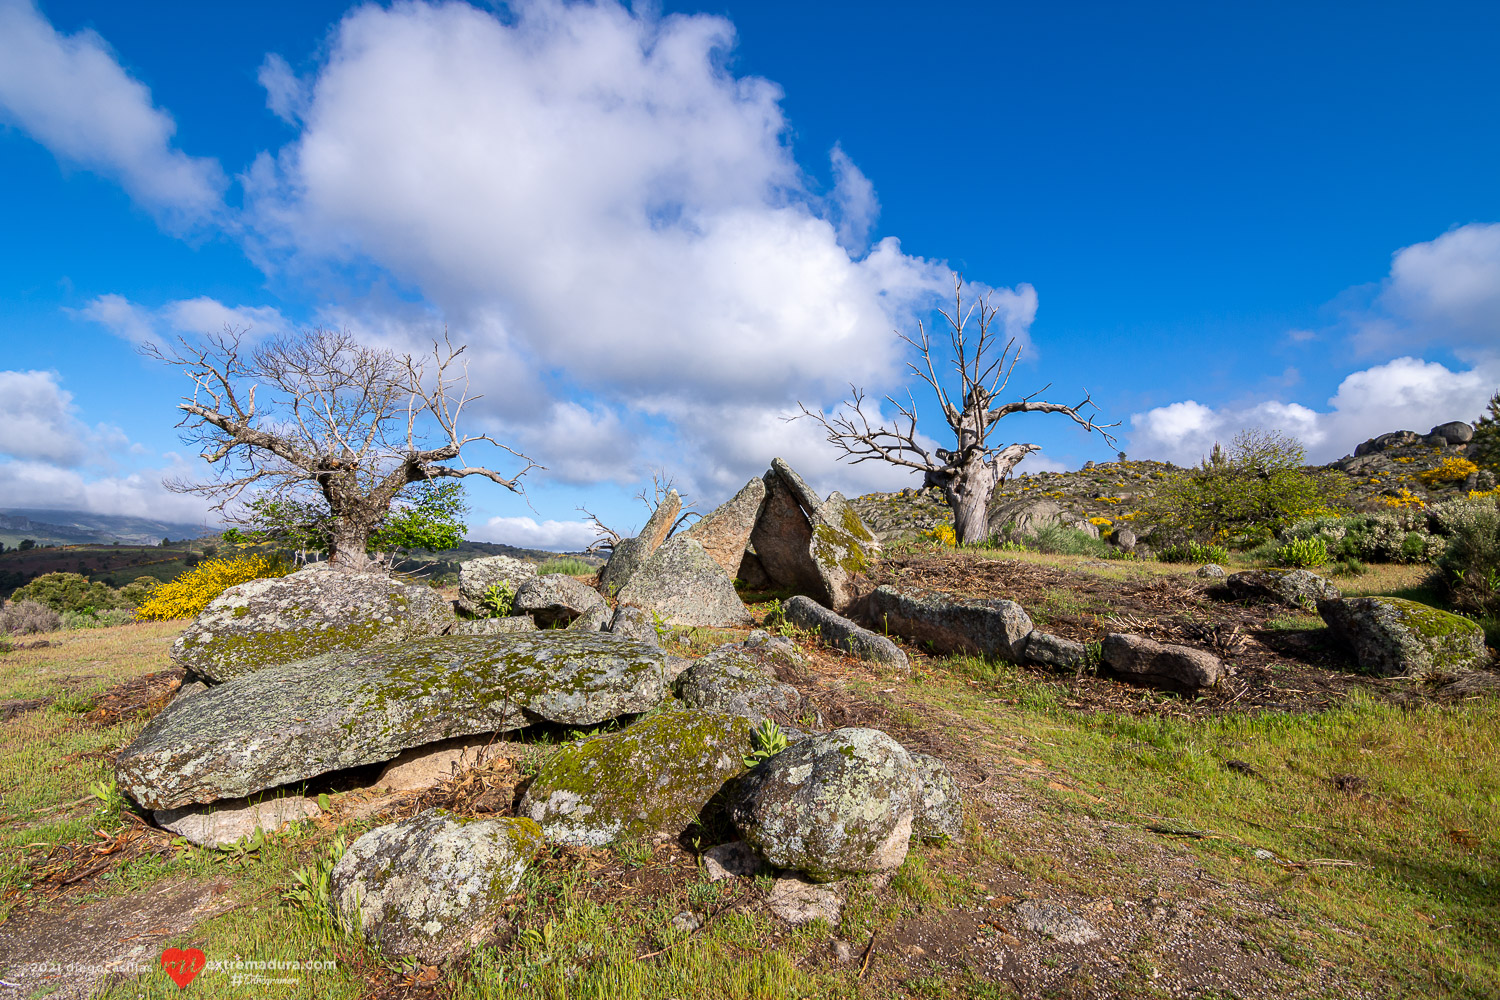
[660,228]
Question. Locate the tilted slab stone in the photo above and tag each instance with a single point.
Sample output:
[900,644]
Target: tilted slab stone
[316,610]
[842,634]
[296,721]
[939,804]
[832,805]
[989,627]
[652,777]
[433,886]
[1053,651]
[631,553]
[782,538]
[1137,658]
[812,546]
[1394,637]
[1295,588]
[477,576]
[555,599]
[725,533]
[634,623]
[686,587]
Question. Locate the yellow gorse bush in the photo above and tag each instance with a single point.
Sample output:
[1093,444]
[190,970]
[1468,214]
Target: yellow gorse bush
[191,592]
[943,534]
[1453,470]
[1405,499]
[1102,522]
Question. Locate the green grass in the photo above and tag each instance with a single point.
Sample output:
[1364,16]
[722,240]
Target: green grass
[565,566]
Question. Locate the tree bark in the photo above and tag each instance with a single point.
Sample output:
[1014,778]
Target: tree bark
[968,495]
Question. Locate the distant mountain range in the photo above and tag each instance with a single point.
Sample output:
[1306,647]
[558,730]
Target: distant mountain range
[47,526]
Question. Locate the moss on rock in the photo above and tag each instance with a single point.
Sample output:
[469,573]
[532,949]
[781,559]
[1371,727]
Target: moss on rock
[1394,637]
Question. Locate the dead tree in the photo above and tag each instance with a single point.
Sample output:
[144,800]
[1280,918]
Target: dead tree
[318,416]
[968,472]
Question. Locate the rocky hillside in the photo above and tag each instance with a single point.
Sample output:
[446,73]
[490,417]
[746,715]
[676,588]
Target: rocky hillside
[1394,469]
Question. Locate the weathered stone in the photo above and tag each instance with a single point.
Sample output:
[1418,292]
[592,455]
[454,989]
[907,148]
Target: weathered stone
[651,778]
[477,576]
[493,626]
[1385,442]
[227,822]
[555,600]
[1211,571]
[1454,432]
[1053,651]
[1140,659]
[800,902]
[315,610]
[1056,922]
[735,859]
[842,548]
[630,554]
[1393,637]
[683,585]
[725,533]
[989,627]
[734,680]
[782,539]
[1295,588]
[1124,538]
[1023,518]
[842,634]
[426,766]
[296,721]
[433,886]
[938,808]
[595,619]
[635,623]
[809,545]
[832,805]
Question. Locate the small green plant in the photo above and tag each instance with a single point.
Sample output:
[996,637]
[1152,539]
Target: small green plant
[704,893]
[499,599]
[1193,552]
[1303,553]
[74,702]
[769,741]
[538,939]
[634,853]
[312,891]
[110,803]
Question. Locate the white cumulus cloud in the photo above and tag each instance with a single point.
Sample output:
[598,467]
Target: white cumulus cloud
[141,324]
[528,533]
[70,94]
[1442,293]
[38,419]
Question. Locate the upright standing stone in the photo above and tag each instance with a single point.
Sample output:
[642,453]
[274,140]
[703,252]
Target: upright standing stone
[725,533]
[631,553]
[813,546]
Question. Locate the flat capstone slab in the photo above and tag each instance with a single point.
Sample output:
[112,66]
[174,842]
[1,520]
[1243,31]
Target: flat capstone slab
[296,721]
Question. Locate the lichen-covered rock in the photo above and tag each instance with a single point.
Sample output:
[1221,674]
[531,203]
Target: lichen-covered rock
[686,587]
[989,627]
[809,545]
[432,886]
[1210,571]
[1053,651]
[629,554]
[938,809]
[316,610]
[555,600]
[842,634]
[725,533]
[832,805]
[634,623]
[1295,588]
[653,777]
[1136,658]
[427,766]
[477,576]
[226,822]
[595,619]
[735,680]
[494,626]
[296,721]
[797,901]
[1393,637]
[1056,922]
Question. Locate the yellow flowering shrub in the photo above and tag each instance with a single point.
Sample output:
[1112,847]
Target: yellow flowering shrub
[1405,459]
[1484,494]
[943,534]
[192,591]
[1102,522]
[1453,470]
[1403,500]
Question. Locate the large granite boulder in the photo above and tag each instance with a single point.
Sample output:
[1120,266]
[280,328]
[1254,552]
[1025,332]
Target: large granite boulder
[988,627]
[842,634]
[295,721]
[1453,432]
[725,533]
[832,805]
[740,681]
[1393,637]
[634,623]
[630,554]
[651,778]
[682,584]
[477,576]
[315,610]
[812,546]
[1146,661]
[555,600]
[433,886]
[1296,588]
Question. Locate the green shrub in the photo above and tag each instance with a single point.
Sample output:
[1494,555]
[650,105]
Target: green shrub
[1485,448]
[498,600]
[567,566]
[107,618]
[1258,485]
[1399,536]
[1054,539]
[1304,553]
[1469,569]
[69,592]
[137,591]
[1193,552]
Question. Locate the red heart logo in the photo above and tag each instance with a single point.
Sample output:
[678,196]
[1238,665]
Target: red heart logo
[182,965]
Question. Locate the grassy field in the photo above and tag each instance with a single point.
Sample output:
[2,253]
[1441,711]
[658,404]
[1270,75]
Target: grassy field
[1350,852]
